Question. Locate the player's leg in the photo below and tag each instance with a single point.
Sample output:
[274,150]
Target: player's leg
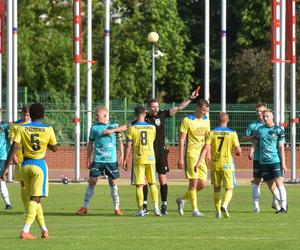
[162,168]
[23,192]
[3,188]
[139,181]
[278,178]
[145,203]
[216,182]
[150,176]
[257,178]
[228,178]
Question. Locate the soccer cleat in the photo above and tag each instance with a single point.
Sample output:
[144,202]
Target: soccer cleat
[197,213]
[8,207]
[225,212]
[180,204]
[218,215]
[146,211]
[140,213]
[281,211]
[164,210]
[27,236]
[81,211]
[45,235]
[276,205]
[256,210]
[157,211]
[118,212]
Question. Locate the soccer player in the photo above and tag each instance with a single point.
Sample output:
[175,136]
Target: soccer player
[220,142]
[193,132]
[271,141]
[105,159]
[35,138]
[257,175]
[141,136]
[19,155]
[4,148]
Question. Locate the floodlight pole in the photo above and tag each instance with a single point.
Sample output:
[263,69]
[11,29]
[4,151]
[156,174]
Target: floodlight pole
[106,53]
[223,54]
[282,64]
[206,38]
[15,59]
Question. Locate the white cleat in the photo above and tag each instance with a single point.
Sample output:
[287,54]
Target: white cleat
[276,205]
[157,211]
[256,210]
[140,213]
[218,215]
[225,212]
[197,214]
[180,203]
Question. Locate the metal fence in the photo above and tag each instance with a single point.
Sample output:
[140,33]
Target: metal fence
[121,111]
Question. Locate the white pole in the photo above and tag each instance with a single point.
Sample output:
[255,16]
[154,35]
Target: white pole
[15,60]
[77,16]
[89,97]
[1,82]
[153,70]
[206,38]
[223,55]
[293,97]
[276,100]
[106,54]
[282,64]
[9,70]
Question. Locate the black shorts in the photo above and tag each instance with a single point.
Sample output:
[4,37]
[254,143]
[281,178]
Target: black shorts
[161,159]
[101,169]
[271,171]
[256,169]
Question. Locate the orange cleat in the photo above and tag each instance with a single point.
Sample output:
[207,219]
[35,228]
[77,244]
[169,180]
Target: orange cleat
[45,235]
[27,236]
[118,212]
[81,211]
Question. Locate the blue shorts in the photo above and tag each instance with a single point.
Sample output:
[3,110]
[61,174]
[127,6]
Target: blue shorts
[271,171]
[256,169]
[101,169]
[2,165]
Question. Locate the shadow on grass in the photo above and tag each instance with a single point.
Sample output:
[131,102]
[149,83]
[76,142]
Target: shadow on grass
[12,213]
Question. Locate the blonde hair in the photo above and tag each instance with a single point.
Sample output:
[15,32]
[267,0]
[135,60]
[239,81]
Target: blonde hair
[101,108]
[223,117]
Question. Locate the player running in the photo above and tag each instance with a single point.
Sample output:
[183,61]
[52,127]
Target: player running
[35,138]
[221,140]
[105,159]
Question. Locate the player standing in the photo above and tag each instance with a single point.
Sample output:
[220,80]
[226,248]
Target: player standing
[220,142]
[4,148]
[193,132]
[105,159]
[35,138]
[271,141]
[141,136]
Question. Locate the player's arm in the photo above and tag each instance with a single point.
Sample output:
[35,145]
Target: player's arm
[282,156]
[116,130]
[249,134]
[121,149]
[238,151]
[182,138]
[90,148]
[127,152]
[53,148]
[204,151]
[183,104]
[10,158]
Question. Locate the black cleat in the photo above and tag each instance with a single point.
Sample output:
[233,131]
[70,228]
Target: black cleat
[164,210]
[145,209]
[8,207]
[281,211]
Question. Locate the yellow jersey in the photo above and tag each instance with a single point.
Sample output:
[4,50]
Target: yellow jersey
[197,131]
[13,129]
[222,141]
[142,135]
[34,137]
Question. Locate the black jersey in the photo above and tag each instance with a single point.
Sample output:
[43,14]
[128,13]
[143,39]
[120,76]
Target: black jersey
[159,122]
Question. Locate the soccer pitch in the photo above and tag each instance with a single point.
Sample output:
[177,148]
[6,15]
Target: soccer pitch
[100,229]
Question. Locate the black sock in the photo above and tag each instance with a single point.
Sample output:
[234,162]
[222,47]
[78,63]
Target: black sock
[145,191]
[164,193]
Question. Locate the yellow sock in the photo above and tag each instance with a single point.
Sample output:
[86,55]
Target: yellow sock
[40,216]
[25,198]
[227,197]
[31,213]
[217,198]
[139,197]
[154,193]
[187,196]
[193,195]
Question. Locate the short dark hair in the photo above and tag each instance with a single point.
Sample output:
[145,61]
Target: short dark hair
[261,104]
[139,110]
[36,111]
[25,108]
[202,102]
[151,101]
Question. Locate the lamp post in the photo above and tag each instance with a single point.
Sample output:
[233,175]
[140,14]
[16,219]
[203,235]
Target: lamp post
[153,38]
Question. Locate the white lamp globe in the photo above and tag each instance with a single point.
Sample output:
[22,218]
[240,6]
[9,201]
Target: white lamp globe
[153,37]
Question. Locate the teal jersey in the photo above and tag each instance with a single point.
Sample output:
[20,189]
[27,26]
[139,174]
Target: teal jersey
[105,146]
[251,129]
[4,141]
[269,140]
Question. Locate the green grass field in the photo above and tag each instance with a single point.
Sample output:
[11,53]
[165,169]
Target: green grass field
[100,229]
